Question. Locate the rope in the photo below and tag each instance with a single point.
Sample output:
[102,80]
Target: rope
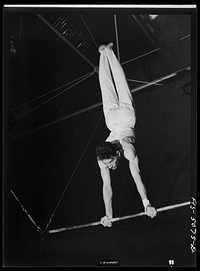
[73,173]
[117,39]
[41,96]
[166,208]
[24,210]
[89,31]
[27,112]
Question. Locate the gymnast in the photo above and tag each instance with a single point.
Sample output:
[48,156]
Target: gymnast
[120,119]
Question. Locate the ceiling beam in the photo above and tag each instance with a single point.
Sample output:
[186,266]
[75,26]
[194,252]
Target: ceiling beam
[67,41]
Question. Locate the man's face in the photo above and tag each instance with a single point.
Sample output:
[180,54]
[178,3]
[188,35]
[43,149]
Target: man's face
[111,163]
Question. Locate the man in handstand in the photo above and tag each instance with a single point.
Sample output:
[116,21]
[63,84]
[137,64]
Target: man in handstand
[120,119]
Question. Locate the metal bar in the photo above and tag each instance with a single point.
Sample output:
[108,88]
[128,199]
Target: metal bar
[138,57]
[117,39]
[160,79]
[162,209]
[99,104]
[66,40]
[156,84]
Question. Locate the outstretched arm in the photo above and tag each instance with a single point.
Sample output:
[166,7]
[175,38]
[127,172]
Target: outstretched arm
[135,172]
[130,155]
[107,195]
[107,192]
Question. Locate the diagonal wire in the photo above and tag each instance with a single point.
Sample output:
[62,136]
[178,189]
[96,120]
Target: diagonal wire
[140,56]
[41,96]
[23,209]
[89,31]
[155,50]
[27,112]
[73,173]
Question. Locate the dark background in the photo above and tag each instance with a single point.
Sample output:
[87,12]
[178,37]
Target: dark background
[47,153]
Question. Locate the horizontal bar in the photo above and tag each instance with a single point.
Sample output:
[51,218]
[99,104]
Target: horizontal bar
[162,209]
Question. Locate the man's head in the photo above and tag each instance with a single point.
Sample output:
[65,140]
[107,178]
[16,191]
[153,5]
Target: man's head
[108,154]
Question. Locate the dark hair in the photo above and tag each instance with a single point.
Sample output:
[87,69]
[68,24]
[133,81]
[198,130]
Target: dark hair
[106,150]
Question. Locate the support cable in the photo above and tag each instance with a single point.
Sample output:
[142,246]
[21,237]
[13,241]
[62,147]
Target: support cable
[32,109]
[24,210]
[73,173]
[43,95]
